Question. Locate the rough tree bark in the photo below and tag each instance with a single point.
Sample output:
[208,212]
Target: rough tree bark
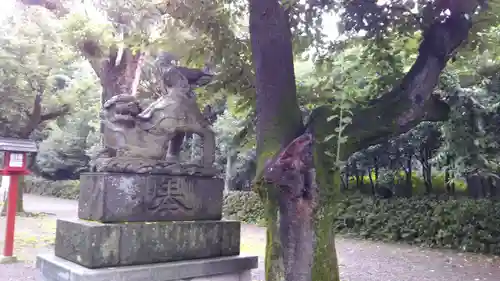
[279,122]
[424,156]
[293,174]
[230,157]
[409,171]
[395,112]
[372,183]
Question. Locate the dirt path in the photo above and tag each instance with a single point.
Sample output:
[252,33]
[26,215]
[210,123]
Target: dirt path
[359,260]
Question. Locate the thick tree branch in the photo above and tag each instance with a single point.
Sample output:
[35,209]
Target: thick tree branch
[36,116]
[63,110]
[54,6]
[412,101]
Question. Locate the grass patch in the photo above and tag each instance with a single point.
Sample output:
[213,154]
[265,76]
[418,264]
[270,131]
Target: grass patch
[252,247]
[33,235]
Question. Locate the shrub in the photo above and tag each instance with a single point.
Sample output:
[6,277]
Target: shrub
[244,206]
[438,183]
[68,189]
[466,225]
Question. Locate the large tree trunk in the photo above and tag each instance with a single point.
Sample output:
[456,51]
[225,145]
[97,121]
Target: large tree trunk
[345,180]
[447,175]
[409,171]
[424,156]
[376,169]
[231,155]
[372,183]
[120,75]
[357,175]
[289,254]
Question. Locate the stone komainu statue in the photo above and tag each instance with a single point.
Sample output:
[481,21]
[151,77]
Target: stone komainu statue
[137,140]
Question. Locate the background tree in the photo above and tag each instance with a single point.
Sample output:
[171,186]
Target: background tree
[72,140]
[32,79]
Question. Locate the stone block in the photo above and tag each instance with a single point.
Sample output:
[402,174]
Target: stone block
[236,268]
[120,197]
[98,245]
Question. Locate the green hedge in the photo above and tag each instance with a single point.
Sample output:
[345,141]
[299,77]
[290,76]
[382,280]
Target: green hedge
[61,189]
[438,183]
[466,225]
[244,206]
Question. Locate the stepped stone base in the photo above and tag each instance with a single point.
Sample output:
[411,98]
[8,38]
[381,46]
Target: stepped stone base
[121,197]
[98,245]
[235,268]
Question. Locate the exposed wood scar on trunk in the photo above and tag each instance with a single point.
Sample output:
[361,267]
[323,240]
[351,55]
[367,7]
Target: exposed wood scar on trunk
[292,171]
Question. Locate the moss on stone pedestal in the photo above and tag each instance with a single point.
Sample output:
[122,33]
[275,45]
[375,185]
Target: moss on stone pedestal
[98,245]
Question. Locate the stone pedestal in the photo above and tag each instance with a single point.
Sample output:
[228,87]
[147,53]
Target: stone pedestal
[97,245]
[147,227]
[116,197]
[236,268]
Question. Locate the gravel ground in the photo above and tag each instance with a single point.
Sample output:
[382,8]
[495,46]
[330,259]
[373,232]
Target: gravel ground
[359,260]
